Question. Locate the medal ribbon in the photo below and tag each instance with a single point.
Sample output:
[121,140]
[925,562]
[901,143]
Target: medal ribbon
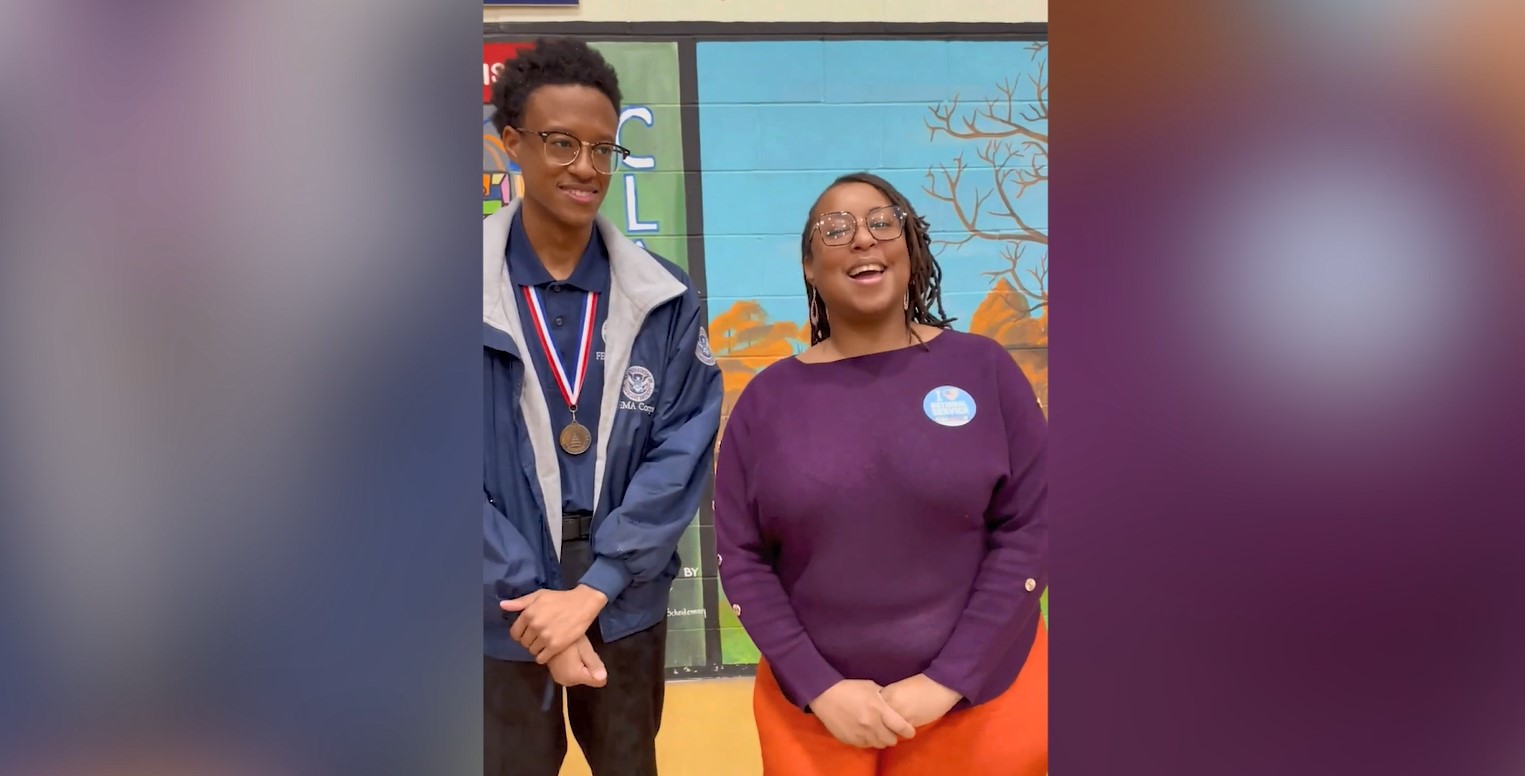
[570,389]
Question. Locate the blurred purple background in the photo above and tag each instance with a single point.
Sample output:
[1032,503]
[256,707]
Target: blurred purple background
[1286,471]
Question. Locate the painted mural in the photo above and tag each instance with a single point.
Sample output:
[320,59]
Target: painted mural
[964,134]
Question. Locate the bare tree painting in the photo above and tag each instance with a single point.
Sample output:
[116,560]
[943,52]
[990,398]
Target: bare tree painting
[1011,137]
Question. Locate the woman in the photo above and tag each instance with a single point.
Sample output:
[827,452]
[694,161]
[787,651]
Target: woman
[880,520]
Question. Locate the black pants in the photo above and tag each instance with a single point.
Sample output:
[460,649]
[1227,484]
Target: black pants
[615,725]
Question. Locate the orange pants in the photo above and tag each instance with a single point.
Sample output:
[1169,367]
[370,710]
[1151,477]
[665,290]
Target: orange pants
[1008,736]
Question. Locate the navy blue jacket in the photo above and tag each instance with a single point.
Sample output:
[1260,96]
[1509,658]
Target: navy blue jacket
[656,438]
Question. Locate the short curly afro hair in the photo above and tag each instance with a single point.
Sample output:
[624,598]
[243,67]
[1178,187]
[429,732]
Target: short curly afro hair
[551,62]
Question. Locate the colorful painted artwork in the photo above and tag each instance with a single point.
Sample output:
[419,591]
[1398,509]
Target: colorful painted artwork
[964,134]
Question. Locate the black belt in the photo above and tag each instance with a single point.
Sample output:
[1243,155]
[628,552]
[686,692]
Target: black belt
[576,526]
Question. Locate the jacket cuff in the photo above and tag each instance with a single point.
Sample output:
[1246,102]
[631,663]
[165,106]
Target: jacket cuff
[607,576]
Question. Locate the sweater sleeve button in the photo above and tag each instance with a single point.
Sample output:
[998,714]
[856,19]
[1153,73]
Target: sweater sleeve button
[1031,585]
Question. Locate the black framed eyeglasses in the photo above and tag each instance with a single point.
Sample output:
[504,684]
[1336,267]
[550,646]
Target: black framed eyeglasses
[562,149]
[884,223]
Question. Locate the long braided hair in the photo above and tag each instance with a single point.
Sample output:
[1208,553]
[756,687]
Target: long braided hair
[925,291]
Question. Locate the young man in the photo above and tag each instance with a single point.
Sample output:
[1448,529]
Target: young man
[602,403]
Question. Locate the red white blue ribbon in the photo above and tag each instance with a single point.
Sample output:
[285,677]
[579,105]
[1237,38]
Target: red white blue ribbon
[570,388]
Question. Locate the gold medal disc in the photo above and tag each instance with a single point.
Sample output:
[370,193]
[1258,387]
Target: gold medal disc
[576,439]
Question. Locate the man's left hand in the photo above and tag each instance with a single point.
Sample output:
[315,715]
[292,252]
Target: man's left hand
[919,699]
[550,621]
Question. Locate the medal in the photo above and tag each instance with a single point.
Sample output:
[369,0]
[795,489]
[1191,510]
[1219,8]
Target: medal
[575,438]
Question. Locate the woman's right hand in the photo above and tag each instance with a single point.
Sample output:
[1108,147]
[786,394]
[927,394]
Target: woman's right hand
[857,715]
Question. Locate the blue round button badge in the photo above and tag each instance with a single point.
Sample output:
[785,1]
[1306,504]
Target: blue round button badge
[949,406]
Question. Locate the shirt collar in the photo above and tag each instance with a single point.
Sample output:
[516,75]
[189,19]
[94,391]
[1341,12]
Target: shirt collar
[591,274]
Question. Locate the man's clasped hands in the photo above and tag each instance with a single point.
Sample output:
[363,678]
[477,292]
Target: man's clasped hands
[553,626]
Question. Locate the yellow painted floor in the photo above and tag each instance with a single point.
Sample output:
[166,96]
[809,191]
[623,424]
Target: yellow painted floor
[707,730]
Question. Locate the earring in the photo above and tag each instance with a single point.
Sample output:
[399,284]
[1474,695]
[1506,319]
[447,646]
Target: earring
[814,315]
[906,302]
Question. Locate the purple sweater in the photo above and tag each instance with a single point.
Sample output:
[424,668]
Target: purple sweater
[884,516]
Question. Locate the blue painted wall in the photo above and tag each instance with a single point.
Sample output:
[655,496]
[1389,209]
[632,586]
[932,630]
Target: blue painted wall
[779,120]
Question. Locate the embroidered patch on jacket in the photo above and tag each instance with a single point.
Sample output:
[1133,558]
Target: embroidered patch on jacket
[639,385]
[703,351]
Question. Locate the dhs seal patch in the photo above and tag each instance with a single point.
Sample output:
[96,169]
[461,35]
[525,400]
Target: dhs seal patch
[639,385]
[703,352]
